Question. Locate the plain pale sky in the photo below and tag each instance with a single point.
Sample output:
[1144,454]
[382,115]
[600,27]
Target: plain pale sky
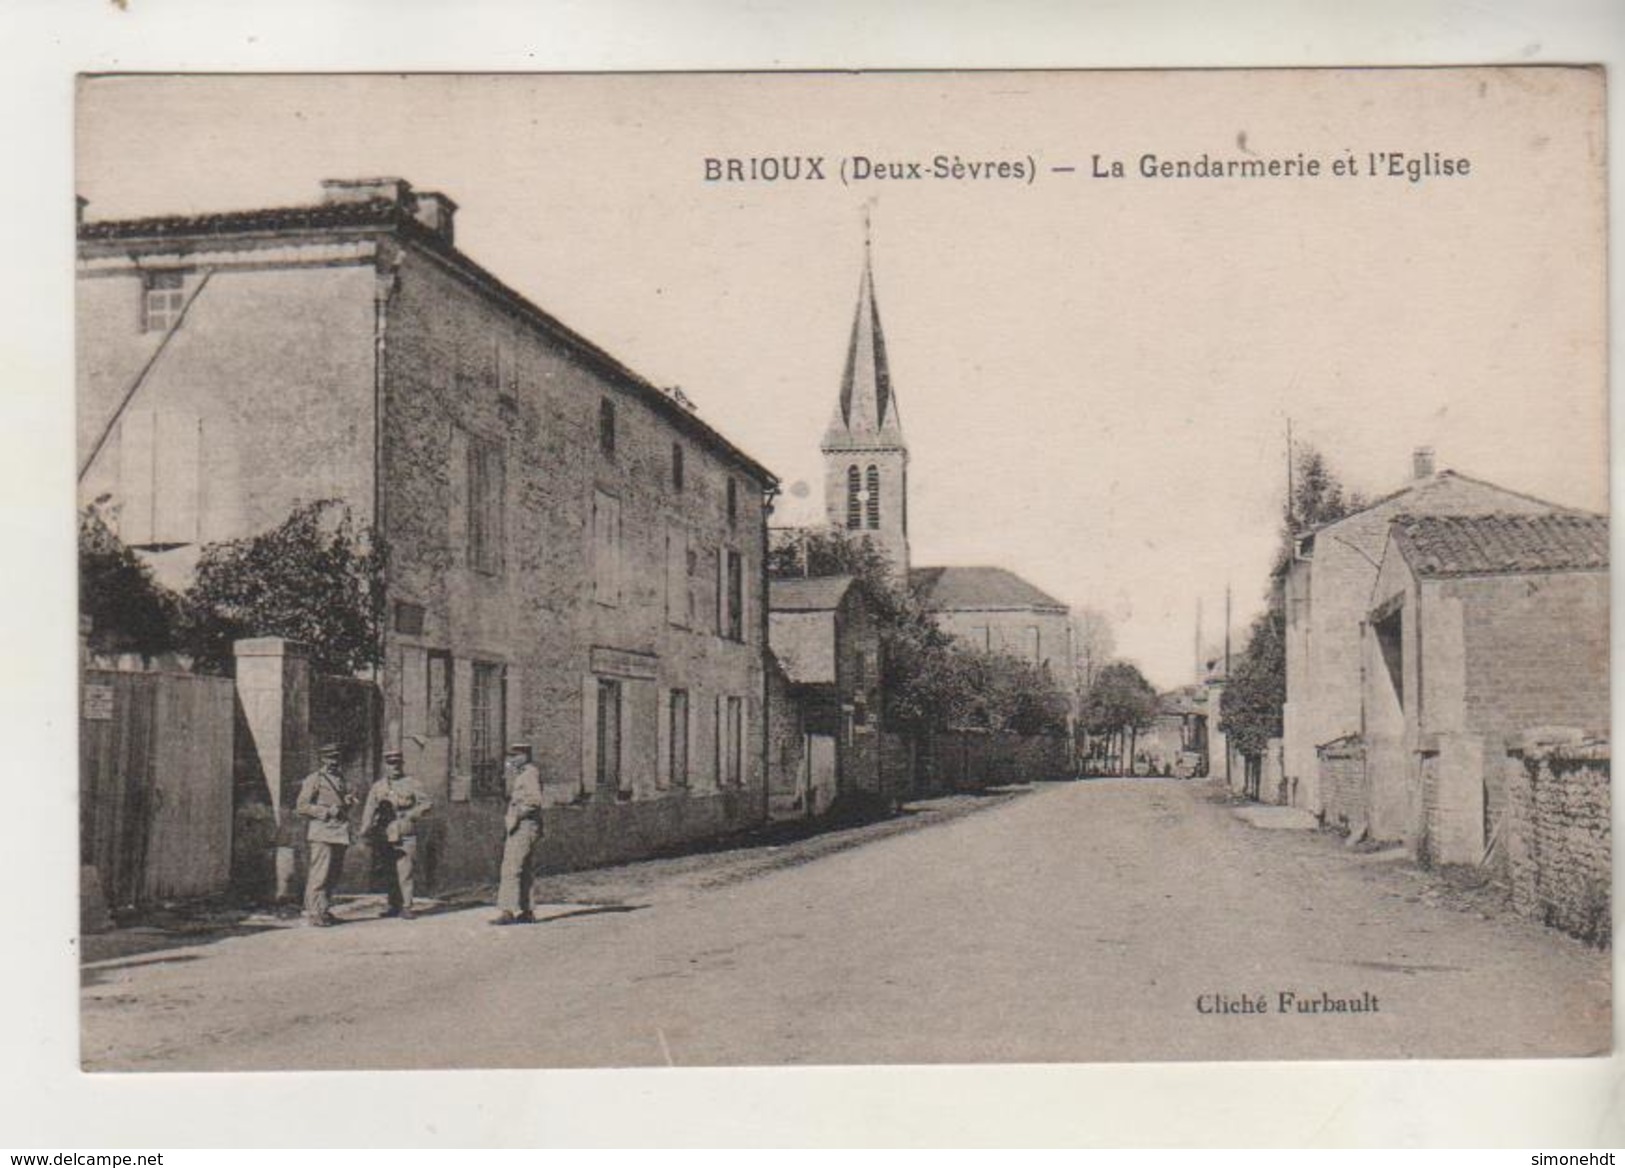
[1094,374]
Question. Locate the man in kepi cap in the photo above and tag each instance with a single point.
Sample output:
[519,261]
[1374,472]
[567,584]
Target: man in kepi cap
[524,824]
[325,800]
[394,805]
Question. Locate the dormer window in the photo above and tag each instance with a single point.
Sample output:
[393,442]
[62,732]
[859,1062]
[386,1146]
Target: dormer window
[163,295]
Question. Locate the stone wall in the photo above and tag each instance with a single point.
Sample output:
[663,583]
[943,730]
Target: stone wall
[1558,833]
[786,748]
[1536,651]
[1342,783]
[970,762]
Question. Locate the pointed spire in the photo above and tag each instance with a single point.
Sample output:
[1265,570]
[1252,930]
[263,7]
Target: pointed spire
[866,414]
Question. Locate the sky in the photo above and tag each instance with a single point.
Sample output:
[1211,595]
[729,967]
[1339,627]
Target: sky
[1095,375]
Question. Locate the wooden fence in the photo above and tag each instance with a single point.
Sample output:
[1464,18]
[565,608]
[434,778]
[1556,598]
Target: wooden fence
[155,784]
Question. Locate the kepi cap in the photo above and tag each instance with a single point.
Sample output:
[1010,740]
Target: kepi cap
[519,748]
[394,756]
[328,750]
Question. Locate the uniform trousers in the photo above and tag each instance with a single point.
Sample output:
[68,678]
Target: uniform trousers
[326,865]
[393,863]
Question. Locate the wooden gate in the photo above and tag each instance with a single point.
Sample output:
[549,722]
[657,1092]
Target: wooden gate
[155,784]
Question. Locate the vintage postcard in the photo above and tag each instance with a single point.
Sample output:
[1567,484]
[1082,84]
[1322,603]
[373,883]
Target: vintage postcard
[751,569]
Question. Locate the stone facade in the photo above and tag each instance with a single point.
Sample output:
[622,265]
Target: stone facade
[1559,836]
[1038,636]
[1456,666]
[576,558]
[827,643]
[1342,783]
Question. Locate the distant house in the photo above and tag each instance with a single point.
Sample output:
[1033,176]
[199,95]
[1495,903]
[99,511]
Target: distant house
[996,610]
[1327,589]
[824,696]
[1176,742]
[1480,628]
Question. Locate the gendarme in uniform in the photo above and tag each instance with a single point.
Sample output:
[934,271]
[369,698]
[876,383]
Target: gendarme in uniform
[395,803]
[325,801]
[524,824]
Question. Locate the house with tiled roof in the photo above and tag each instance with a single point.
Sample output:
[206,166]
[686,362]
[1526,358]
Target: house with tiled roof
[824,696]
[1326,587]
[997,610]
[1479,629]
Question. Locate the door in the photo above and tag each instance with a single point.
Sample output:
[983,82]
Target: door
[609,736]
[820,772]
[434,763]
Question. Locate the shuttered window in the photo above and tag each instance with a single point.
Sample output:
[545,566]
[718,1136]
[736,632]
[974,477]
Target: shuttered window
[485,512]
[606,548]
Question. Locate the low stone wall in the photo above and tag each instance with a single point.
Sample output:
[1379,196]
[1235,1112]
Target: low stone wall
[965,762]
[1342,783]
[1558,832]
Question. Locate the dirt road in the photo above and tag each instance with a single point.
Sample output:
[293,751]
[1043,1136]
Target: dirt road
[1097,921]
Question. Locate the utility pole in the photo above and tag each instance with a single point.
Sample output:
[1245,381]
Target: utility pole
[1227,677]
[1198,640]
[1291,518]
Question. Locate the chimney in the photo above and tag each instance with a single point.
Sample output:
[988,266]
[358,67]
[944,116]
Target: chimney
[79,205]
[1422,462]
[367,190]
[435,211]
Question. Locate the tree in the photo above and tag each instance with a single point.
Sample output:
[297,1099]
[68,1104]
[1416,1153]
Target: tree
[318,578]
[1250,706]
[1119,705]
[922,685]
[129,611]
[1250,709]
[1318,497]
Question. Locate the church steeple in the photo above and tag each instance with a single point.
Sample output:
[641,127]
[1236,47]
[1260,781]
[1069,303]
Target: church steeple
[866,413]
[865,456]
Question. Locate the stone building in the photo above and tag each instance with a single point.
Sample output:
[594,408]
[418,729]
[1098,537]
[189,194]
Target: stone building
[577,558]
[1481,629]
[866,493]
[1327,591]
[825,746]
[996,610]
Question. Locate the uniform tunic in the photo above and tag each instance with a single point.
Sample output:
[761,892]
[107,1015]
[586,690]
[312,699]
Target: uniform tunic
[324,800]
[395,803]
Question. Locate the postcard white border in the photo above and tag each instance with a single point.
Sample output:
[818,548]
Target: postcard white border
[49,1104]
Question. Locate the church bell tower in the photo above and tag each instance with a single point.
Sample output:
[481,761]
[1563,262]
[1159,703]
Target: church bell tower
[865,457]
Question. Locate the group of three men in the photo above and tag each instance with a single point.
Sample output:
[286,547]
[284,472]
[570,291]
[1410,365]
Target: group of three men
[389,824]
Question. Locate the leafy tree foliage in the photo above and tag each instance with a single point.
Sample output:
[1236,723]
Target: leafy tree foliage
[1318,498]
[317,578]
[1093,644]
[1119,705]
[1250,706]
[1255,693]
[129,611]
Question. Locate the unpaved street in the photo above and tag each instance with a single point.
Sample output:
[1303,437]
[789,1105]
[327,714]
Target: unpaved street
[1077,922]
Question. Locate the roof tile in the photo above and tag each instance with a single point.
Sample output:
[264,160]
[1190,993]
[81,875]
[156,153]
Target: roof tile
[1463,545]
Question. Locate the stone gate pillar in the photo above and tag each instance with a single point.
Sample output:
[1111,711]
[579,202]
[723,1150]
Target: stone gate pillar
[273,691]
